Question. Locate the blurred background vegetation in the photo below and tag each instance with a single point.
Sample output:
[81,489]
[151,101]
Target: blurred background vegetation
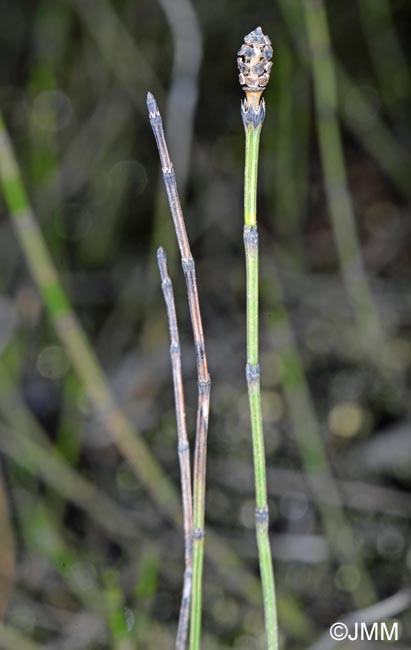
[90,557]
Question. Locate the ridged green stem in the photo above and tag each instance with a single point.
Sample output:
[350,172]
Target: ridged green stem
[197,589]
[252,145]
[252,124]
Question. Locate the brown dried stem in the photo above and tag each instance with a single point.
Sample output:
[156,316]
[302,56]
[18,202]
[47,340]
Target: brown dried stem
[203,407]
[183,449]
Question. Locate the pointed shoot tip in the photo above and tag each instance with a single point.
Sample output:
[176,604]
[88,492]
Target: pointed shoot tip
[162,262]
[151,105]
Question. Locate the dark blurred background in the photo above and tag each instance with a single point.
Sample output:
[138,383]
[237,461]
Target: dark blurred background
[90,560]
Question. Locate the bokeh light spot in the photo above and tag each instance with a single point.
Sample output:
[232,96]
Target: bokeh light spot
[52,362]
[346,419]
[347,578]
[131,173]
[390,543]
[52,110]
[294,505]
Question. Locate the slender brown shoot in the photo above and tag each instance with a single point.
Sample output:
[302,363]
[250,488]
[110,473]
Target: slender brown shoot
[203,407]
[183,449]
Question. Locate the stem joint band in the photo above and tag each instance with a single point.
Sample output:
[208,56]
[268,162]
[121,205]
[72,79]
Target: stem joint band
[252,373]
[168,172]
[250,237]
[174,349]
[204,386]
[198,534]
[261,516]
[188,265]
[252,117]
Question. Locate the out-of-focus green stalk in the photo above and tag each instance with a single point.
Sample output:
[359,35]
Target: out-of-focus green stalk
[289,139]
[42,534]
[307,432]
[145,590]
[11,639]
[8,554]
[391,67]
[51,24]
[355,109]
[114,603]
[37,455]
[73,338]
[341,209]
[376,138]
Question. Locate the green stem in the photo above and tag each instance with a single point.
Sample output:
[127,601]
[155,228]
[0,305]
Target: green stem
[252,145]
[252,123]
[196,602]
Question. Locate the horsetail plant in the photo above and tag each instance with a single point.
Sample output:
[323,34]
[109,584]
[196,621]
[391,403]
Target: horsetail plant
[254,65]
[183,449]
[203,407]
